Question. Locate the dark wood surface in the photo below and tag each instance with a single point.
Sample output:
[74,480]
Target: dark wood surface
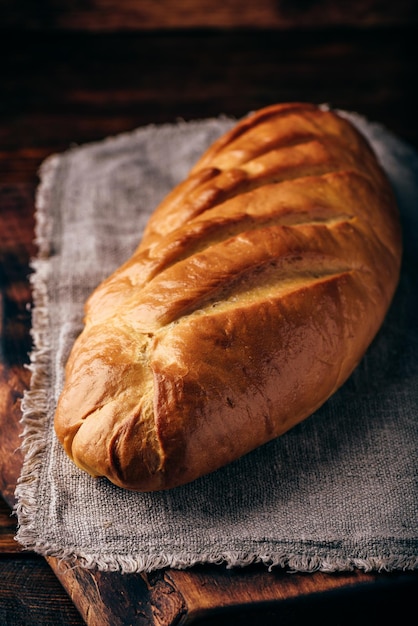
[128,15]
[77,72]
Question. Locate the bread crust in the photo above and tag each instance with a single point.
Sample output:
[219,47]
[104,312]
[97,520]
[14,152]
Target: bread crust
[258,285]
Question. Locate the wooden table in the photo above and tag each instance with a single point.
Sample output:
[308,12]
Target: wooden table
[72,75]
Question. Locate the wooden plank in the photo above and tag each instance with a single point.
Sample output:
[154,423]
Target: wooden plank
[107,15]
[29,590]
[96,85]
[13,381]
[8,544]
[213,595]
[99,85]
[223,586]
[30,594]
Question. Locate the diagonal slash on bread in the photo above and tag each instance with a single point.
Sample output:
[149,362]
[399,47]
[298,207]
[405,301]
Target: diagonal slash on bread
[259,283]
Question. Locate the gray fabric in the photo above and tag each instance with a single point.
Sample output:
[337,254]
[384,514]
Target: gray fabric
[337,492]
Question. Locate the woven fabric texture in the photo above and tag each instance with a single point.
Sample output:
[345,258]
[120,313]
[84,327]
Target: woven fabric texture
[337,492]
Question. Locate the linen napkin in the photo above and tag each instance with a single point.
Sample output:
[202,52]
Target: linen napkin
[337,492]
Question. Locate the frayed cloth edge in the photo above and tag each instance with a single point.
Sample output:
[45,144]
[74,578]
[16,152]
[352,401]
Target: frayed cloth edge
[146,563]
[34,404]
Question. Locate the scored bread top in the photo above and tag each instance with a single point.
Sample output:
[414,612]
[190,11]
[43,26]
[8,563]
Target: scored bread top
[258,285]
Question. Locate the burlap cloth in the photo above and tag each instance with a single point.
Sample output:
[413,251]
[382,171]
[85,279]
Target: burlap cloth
[337,492]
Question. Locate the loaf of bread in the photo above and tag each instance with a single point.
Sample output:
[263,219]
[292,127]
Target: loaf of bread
[259,283]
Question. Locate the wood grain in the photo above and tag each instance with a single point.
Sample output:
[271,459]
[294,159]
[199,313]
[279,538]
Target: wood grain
[16,249]
[213,595]
[13,382]
[70,75]
[8,545]
[65,88]
[30,593]
[171,14]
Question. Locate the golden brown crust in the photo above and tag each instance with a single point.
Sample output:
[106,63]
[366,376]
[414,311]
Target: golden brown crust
[258,285]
